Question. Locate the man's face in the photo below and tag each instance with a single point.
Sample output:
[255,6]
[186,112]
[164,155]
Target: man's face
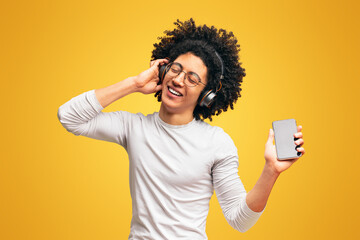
[176,96]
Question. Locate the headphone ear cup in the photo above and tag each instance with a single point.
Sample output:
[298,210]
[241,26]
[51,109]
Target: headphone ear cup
[162,72]
[207,98]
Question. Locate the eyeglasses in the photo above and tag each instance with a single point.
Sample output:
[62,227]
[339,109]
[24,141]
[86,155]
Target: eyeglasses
[191,78]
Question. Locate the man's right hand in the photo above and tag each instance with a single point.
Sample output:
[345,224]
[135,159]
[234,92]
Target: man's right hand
[147,81]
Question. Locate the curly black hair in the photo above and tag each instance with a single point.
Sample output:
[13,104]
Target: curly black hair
[203,42]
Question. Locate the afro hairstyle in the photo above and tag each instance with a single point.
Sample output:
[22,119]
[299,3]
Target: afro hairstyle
[203,42]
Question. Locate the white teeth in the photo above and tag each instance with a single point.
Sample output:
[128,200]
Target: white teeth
[174,92]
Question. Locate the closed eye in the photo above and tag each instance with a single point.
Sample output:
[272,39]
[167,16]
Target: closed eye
[175,70]
[191,80]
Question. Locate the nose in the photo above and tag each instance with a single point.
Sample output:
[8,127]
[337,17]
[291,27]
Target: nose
[179,79]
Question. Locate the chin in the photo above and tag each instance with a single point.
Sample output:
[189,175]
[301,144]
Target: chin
[175,107]
[174,104]
[170,106]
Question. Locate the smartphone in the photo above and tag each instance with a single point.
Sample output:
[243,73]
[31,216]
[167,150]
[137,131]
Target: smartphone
[284,139]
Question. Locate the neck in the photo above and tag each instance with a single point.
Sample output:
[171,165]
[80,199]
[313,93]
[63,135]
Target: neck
[175,118]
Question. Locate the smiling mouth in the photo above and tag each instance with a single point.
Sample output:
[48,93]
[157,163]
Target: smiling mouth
[174,92]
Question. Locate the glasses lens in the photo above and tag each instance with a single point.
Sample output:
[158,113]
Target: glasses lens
[174,70]
[192,79]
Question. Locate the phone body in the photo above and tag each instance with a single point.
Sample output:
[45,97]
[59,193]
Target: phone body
[284,139]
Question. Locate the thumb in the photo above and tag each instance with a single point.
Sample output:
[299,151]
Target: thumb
[158,88]
[270,137]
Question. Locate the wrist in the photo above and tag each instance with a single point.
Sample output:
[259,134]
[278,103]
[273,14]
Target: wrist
[131,84]
[270,170]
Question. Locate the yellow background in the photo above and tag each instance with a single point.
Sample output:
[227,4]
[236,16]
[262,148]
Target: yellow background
[302,62]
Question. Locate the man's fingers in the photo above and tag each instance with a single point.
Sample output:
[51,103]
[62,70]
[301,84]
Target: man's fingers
[298,135]
[300,149]
[299,142]
[158,62]
[299,128]
[158,88]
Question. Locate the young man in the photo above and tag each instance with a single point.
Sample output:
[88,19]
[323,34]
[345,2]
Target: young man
[176,159]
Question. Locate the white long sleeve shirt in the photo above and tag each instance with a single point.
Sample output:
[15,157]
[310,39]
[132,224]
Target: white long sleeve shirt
[174,169]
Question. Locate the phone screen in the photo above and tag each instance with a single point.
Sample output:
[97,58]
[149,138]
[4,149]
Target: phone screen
[284,139]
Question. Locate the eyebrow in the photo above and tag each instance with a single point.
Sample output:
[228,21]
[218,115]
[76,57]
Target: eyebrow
[190,71]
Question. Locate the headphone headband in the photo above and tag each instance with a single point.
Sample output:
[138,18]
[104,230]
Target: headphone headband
[222,65]
[207,98]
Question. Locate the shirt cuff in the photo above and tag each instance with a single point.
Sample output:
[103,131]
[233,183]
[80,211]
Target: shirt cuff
[250,212]
[91,97]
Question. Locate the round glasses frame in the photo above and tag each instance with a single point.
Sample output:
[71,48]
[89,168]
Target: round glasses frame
[191,78]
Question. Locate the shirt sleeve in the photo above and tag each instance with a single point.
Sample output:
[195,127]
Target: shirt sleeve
[82,115]
[229,189]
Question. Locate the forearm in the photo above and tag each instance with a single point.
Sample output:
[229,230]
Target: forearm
[257,197]
[110,94]
[75,114]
